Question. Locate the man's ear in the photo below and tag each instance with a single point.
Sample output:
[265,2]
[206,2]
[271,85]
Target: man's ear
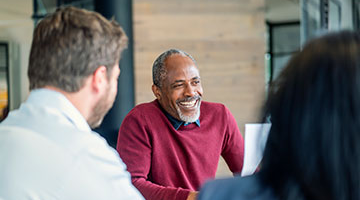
[156,91]
[99,78]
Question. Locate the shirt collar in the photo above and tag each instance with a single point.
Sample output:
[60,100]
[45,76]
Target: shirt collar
[177,123]
[58,103]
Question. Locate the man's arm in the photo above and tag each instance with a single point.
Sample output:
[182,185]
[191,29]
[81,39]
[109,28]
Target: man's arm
[135,149]
[153,191]
[192,196]
[233,148]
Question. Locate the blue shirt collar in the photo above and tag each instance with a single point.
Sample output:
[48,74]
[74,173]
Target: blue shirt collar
[177,123]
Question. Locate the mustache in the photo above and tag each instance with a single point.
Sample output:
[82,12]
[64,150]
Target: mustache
[197,97]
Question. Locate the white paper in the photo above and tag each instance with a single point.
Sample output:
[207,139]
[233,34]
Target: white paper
[255,140]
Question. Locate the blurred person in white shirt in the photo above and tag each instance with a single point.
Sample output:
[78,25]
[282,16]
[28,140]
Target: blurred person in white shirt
[47,148]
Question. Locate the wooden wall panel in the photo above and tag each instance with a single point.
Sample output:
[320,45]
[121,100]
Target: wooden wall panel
[226,38]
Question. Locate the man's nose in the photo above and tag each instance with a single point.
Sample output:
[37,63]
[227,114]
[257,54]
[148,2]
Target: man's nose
[190,91]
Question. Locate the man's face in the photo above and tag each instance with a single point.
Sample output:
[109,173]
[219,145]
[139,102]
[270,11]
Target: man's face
[181,91]
[107,100]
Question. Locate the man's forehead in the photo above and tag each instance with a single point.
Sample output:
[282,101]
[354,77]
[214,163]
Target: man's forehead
[189,71]
[177,62]
[177,59]
[180,67]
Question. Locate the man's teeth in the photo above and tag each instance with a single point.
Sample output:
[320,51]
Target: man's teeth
[188,103]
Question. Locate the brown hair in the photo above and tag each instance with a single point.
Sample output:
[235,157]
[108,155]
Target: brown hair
[69,45]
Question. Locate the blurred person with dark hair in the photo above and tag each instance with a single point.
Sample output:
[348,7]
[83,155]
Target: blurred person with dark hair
[47,148]
[313,148]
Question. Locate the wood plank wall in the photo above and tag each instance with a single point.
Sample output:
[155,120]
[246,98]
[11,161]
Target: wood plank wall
[226,37]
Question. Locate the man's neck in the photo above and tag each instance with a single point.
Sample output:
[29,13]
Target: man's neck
[77,99]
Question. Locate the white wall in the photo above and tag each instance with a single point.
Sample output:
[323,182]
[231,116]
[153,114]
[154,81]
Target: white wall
[16,28]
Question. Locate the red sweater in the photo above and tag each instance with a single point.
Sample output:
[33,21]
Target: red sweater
[166,163]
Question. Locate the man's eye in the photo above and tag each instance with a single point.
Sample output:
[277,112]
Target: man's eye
[178,85]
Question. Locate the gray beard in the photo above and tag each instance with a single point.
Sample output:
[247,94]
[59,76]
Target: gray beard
[189,119]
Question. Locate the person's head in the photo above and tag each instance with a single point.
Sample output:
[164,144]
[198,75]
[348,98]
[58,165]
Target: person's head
[71,45]
[177,85]
[313,148]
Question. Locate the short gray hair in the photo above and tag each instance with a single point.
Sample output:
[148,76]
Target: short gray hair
[159,71]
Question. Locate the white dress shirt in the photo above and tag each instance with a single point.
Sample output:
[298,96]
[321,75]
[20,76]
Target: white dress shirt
[48,152]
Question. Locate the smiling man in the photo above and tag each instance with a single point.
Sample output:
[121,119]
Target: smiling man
[173,144]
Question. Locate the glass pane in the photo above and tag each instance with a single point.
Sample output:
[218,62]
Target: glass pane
[3,95]
[45,6]
[4,108]
[334,15]
[285,42]
[311,20]
[356,14]
[279,64]
[286,38]
[3,57]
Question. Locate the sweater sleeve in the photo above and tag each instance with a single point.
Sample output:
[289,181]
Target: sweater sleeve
[153,191]
[134,147]
[233,147]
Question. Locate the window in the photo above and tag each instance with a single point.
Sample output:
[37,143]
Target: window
[4,80]
[356,14]
[283,42]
